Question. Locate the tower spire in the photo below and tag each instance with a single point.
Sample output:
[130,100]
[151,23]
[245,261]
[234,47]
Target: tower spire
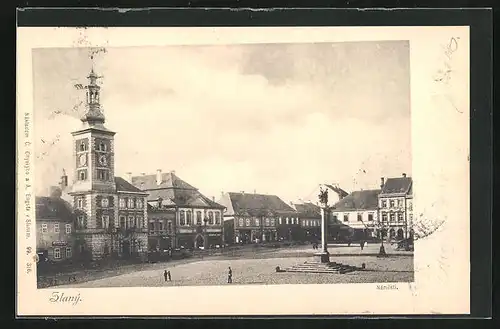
[93,114]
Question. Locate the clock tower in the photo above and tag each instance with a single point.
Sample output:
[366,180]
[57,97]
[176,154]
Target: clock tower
[93,147]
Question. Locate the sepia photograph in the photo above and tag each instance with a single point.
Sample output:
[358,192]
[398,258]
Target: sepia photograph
[226,163]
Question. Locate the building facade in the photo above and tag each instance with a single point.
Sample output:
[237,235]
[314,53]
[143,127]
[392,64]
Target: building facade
[358,214]
[258,218]
[396,207]
[186,217]
[309,215]
[110,213]
[54,228]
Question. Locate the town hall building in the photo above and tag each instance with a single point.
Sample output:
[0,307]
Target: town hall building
[110,213]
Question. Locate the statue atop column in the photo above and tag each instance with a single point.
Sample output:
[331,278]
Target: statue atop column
[323,196]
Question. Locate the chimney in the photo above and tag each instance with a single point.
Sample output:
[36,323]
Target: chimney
[143,174]
[404,174]
[64,180]
[213,199]
[158,177]
[129,177]
[382,182]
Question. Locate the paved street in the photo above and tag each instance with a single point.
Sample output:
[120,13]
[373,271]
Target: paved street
[260,271]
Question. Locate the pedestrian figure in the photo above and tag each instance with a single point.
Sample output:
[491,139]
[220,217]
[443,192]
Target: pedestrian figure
[230,275]
[165,275]
[169,276]
[362,244]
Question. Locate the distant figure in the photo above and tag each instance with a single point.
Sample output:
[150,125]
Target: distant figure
[230,275]
[362,244]
[169,276]
[165,275]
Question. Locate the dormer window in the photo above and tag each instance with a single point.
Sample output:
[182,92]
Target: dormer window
[83,147]
[102,147]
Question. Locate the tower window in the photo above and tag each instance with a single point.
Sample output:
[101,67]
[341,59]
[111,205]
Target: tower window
[102,147]
[102,174]
[83,147]
[105,202]
[82,175]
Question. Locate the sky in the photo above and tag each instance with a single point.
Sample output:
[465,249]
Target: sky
[266,118]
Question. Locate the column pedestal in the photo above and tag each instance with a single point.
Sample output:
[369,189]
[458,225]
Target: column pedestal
[323,256]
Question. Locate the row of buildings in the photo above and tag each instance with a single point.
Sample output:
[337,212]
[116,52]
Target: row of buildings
[99,214]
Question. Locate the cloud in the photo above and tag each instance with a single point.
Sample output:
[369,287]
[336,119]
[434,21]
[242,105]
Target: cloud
[218,117]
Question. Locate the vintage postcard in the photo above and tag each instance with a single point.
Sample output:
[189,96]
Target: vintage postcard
[242,171]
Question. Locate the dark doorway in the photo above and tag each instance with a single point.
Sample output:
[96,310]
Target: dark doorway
[199,241]
[126,249]
[400,234]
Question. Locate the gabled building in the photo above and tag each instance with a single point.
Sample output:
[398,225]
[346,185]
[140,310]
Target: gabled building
[396,206]
[357,212]
[111,213]
[179,215]
[54,228]
[258,217]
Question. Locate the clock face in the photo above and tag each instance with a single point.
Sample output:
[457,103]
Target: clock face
[102,160]
[82,160]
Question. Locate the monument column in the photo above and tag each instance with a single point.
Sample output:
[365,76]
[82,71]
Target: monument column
[323,256]
[324,230]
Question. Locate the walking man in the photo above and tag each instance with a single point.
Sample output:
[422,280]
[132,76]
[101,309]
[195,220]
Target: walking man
[169,276]
[230,275]
[165,275]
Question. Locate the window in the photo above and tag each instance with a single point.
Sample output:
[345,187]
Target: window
[56,228]
[400,217]
[391,202]
[130,223]
[151,227]
[79,203]
[287,221]
[400,203]
[268,222]
[384,204]
[57,253]
[280,221]
[44,228]
[169,226]
[392,217]
[68,252]
[210,218]
[182,218]
[360,217]
[273,222]
[334,217]
[105,221]
[81,222]
[370,217]
[102,147]
[102,174]
[217,218]
[240,222]
[82,175]
[139,204]
[198,218]
[122,203]
[257,222]
[138,220]
[105,202]
[83,147]
[384,217]
[247,222]
[131,203]
[68,228]
[123,222]
[189,216]
[346,217]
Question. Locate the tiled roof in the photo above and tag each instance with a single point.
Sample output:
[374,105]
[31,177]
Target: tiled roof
[173,191]
[123,185]
[308,210]
[168,180]
[256,204]
[398,185]
[359,200]
[53,208]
